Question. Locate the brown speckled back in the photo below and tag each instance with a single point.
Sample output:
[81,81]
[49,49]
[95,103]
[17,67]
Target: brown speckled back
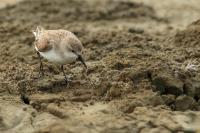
[61,40]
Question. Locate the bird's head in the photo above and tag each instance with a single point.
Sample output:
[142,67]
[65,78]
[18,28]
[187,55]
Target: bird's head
[38,32]
[77,49]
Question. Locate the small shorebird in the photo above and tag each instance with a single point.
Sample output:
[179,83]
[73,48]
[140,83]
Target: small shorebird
[58,46]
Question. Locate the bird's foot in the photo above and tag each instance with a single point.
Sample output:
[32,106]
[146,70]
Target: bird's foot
[66,81]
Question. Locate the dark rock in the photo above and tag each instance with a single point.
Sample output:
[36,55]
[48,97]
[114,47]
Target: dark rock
[25,99]
[138,75]
[166,84]
[197,89]
[168,99]
[156,100]
[136,30]
[189,89]
[184,103]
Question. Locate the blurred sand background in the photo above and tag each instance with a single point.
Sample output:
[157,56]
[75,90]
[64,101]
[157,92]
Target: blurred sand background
[4,3]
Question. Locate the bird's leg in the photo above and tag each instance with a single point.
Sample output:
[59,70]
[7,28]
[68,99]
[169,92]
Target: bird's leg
[62,69]
[41,71]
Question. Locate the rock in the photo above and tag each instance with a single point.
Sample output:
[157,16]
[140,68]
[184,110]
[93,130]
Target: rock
[156,100]
[136,30]
[192,89]
[115,91]
[168,99]
[130,108]
[25,99]
[138,75]
[184,103]
[197,89]
[166,84]
[189,89]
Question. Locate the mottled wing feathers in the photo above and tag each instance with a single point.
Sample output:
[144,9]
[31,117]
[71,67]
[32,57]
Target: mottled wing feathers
[74,44]
[59,39]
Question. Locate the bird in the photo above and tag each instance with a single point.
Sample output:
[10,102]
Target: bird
[57,46]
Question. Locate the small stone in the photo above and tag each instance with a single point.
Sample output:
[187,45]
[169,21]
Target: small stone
[25,99]
[33,114]
[168,99]
[91,102]
[197,89]
[156,100]
[43,105]
[184,103]
[168,85]
[135,30]
[24,109]
[189,89]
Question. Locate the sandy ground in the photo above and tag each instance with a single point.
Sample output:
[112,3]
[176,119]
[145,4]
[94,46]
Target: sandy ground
[143,74]
[4,3]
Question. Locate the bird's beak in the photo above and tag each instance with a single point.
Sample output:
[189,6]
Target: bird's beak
[81,59]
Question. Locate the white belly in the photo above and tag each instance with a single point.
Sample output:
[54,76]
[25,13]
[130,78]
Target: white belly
[55,57]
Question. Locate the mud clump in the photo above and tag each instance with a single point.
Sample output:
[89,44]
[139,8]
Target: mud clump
[188,37]
[166,82]
[185,102]
[175,88]
[168,99]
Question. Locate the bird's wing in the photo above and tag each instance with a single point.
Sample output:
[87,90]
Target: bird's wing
[74,44]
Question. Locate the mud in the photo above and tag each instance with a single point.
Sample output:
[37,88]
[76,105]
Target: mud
[143,68]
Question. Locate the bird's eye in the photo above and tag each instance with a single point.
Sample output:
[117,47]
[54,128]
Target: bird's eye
[48,42]
[73,51]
